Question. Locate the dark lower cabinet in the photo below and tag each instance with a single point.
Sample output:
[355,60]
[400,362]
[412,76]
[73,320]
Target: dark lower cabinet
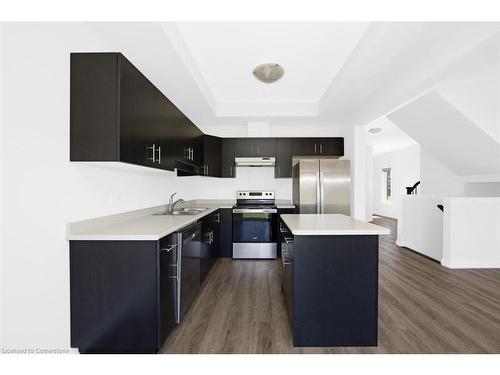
[210,243]
[330,285]
[167,286]
[226,233]
[121,295]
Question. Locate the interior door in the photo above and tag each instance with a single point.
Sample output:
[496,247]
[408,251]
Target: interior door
[335,186]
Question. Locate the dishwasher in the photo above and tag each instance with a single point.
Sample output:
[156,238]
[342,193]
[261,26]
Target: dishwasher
[188,268]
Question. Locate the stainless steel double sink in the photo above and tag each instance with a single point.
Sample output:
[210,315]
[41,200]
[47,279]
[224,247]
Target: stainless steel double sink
[184,211]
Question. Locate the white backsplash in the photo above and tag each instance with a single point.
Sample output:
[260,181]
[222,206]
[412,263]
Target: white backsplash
[247,178]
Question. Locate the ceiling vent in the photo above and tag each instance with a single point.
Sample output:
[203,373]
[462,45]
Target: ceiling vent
[268,73]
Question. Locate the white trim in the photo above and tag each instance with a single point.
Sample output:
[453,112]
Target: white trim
[471,263]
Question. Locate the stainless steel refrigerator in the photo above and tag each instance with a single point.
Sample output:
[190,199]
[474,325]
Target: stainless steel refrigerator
[322,186]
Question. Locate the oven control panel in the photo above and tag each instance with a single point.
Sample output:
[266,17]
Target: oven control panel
[254,194]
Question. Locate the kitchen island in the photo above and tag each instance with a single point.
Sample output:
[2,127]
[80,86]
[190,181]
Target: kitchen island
[330,279]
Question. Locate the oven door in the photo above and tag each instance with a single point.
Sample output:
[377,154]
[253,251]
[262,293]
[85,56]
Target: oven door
[254,225]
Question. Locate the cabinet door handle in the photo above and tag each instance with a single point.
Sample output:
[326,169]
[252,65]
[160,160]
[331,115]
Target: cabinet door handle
[217,220]
[186,153]
[315,151]
[153,148]
[192,154]
[169,249]
[159,155]
[321,148]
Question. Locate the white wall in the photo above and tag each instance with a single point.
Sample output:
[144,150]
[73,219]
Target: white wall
[437,178]
[405,171]
[420,225]
[482,189]
[45,191]
[246,178]
[369,182]
[471,232]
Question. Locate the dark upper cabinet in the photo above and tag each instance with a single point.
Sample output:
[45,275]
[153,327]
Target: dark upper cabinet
[192,144]
[227,156]
[266,146]
[244,147]
[94,94]
[332,146]
[255,147]
[305,146]
[212,156]
[318,146]
[117,114]
[283,167]
[140,120]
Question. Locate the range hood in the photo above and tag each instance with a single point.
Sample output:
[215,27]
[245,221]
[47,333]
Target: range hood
[255,162]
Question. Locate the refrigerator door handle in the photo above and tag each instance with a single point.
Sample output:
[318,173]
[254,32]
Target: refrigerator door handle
[321,193]
[318,193]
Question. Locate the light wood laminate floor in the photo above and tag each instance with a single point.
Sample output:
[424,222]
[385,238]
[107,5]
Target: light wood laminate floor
[423,308]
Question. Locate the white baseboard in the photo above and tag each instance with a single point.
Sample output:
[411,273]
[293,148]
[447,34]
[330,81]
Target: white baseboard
[471,263]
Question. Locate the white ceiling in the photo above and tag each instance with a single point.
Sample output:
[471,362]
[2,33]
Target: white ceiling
[332,79]
[311,54]
[451,137]
[390,137]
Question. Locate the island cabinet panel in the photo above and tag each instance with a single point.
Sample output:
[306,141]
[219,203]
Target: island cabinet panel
[281,229]
[335,290]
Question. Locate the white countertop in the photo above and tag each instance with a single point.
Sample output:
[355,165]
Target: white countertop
[143,225]
[330,225]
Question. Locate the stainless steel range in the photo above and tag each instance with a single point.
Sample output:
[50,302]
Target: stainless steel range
[254,222]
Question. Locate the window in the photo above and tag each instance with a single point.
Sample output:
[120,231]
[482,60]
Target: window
[386,173]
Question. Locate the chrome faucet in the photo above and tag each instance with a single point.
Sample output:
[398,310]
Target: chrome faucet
[171,203]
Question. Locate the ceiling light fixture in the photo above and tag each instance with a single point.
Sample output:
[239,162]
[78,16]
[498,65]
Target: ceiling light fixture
[268,73]
[375,130]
